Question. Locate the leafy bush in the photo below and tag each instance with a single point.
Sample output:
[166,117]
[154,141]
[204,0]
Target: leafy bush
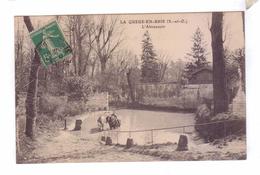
[203,115]
[77,88]
[231,125]
[57,107]
[69,109]
[218,129]
[48,104]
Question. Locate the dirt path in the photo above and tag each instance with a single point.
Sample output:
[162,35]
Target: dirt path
[79,146]
[86,146]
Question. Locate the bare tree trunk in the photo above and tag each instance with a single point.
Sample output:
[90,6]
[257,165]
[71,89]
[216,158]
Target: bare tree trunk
[31,99]
[163,68]
[219,78]
[105,43]
[79,58]
[103,66]
[131,90]
[74,57]
[93,68]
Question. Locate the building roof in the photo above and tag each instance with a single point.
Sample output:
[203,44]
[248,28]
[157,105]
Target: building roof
[209,68]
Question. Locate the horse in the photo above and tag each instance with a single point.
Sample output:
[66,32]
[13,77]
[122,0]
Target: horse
[113,121]
[101,122]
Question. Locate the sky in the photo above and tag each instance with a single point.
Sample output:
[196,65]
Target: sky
[173,35]
[175,39]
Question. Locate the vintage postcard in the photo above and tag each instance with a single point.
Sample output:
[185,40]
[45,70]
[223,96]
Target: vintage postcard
[130,87]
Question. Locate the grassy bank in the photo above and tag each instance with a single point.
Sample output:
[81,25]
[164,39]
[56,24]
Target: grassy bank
[44,126]
[230,148]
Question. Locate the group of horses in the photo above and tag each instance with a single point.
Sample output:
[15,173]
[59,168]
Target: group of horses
[110,119]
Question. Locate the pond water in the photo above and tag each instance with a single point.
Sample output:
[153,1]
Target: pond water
[136,120]
[142,119]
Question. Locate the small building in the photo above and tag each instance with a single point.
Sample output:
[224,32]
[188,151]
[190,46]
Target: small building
[202,75]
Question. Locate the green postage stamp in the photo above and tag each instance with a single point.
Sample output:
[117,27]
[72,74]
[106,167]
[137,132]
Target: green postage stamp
[50,43]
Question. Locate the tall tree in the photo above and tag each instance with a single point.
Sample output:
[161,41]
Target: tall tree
[198,54]
[19,57]
[219,78]
[150,67]
[163,61]
[130,85]
[239,56]
[31,98]
[105,42]
[132,76]
[81,38]
[175,71]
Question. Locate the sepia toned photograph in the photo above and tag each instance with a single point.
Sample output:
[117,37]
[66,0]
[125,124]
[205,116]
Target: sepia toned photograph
[130,87]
